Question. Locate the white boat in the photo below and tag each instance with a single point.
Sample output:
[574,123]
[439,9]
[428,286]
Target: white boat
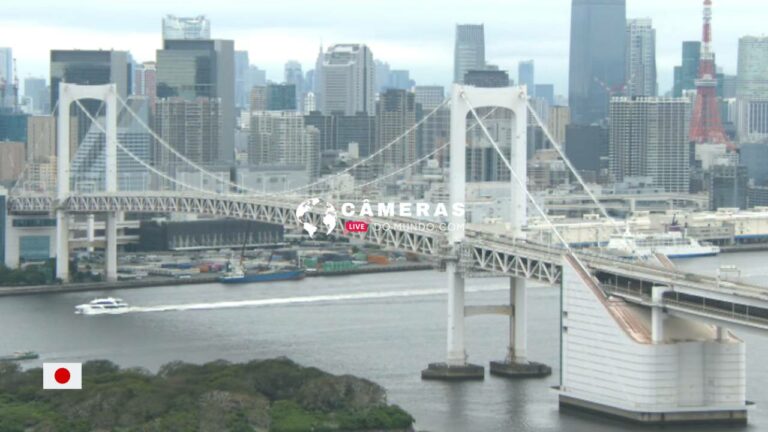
[672,244]
[102,306]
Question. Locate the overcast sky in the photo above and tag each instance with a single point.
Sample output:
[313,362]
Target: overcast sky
[408,34]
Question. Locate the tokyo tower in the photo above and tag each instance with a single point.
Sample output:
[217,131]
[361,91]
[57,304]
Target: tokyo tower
[706,125]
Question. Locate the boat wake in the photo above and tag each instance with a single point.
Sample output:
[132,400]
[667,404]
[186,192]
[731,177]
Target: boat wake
[331,298]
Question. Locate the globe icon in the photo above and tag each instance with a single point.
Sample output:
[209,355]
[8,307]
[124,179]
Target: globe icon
[303,215]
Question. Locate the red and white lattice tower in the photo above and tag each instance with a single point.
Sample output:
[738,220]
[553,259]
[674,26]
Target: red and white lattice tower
[706,126]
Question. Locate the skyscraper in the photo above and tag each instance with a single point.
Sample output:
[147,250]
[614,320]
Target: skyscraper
[295,76]
[242,88]
[280,138]
[88,67]
[688,71]
[649,137]
[395,113]
[429,96]
[281,97]
[546,92]
[37,90]
[191,127]
[6,78]
[193,69]
[347,80]
[597,58]
[174,27]
[641,58]
[469,51]
[525,76]
[752,89]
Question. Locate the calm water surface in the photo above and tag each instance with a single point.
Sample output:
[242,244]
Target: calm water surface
[388,340]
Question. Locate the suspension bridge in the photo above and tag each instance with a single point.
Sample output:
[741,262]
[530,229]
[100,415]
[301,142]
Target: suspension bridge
[640,340]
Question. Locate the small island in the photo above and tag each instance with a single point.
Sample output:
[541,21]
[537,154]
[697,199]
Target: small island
[262,395]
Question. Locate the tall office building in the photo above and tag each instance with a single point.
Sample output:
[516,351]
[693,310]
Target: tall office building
[174,27]
[688,71]
[37,90]
[546,92]
[469,51]
[41,138]
[145,82]
[256,77]
[752,89]
[193,69]
[295,76]
[597,58]
[281,138]
[559,119]
[88,162]
[400,79]
[191,127]
[258,98]
[347,79]
[281,97]
[587,147]
[242,88]
[382,75]
[641,58]
[6,78]
[88,67]
[487,78]
[728,187]
[429,97]
[525,76]
[649,137]
[395,113]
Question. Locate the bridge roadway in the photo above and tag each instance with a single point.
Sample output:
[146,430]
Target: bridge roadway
[700,296]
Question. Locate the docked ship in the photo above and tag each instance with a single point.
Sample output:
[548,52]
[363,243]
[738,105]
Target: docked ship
[237,273]
[240,275]
[102,306]
[19,356]
[673,244]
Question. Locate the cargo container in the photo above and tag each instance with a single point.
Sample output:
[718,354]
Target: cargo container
[378,259]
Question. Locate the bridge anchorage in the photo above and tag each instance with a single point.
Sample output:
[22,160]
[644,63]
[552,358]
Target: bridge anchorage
[641,341]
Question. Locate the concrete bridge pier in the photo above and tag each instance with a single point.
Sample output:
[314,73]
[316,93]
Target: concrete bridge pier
[110,249]
[62,245]
[456,367]
[516,364]
[91,231]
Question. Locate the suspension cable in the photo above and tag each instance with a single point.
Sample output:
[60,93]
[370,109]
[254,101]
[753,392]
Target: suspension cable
[559,149]
[138,159]
[422,159]
[517,179]
[308,186]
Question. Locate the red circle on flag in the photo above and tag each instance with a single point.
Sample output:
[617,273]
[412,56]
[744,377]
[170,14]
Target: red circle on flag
[61,375]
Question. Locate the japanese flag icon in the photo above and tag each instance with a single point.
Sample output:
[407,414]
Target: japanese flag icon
[62,376]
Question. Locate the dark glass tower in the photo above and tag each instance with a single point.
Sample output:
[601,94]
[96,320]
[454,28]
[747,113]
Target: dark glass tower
[597,60]
[688,71]
[192,69]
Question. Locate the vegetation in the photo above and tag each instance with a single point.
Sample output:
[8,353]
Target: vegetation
[33,274]
[269,395]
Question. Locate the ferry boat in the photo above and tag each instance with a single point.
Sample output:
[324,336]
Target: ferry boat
[239,275]
[19,356]
[102,306]
[673,244]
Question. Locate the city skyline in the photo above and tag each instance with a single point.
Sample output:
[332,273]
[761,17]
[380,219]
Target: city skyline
[303,26]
